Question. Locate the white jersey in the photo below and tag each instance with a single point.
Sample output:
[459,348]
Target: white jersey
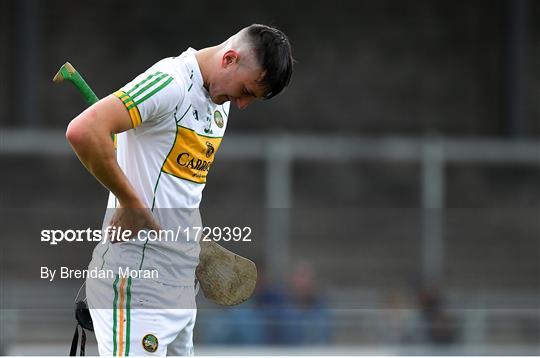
[177,130]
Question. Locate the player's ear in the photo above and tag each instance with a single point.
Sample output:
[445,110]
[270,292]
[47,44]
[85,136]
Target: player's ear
[229,58]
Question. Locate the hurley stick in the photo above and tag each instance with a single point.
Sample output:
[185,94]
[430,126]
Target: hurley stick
[68,73]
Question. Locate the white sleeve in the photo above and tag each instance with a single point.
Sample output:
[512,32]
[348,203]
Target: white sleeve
[150,96]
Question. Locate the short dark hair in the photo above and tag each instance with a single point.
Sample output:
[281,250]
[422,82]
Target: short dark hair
[273,51]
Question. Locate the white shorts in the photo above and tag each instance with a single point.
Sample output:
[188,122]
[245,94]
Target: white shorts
[134,316]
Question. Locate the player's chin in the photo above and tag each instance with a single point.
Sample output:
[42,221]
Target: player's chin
[220,99]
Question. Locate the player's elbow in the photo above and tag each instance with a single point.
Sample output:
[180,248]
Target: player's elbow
[75,133]
[79,130]
[79,133]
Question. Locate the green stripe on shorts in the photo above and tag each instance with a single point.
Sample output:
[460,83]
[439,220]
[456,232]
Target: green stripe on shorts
[128,315]
[115,302]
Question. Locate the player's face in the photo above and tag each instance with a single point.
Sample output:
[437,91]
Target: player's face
[237,82]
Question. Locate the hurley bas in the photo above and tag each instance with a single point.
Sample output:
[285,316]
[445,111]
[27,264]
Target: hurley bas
[68,273]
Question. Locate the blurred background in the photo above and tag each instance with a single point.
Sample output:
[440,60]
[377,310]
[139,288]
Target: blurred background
[393,188]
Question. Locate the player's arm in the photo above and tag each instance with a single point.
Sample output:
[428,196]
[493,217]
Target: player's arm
[90,136]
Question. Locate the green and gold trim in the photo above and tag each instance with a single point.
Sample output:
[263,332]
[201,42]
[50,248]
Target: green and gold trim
[140,92]
[121,316]
[131,107]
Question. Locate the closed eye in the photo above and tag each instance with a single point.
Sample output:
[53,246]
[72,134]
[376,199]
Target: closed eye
[248,93]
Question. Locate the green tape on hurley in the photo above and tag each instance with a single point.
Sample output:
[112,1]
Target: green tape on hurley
[68,73]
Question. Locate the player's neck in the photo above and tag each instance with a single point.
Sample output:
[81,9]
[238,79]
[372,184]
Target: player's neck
[204,58]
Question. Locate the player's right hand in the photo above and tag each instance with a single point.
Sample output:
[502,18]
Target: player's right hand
[133,219]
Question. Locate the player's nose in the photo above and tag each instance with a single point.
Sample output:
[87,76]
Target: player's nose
[243,102]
